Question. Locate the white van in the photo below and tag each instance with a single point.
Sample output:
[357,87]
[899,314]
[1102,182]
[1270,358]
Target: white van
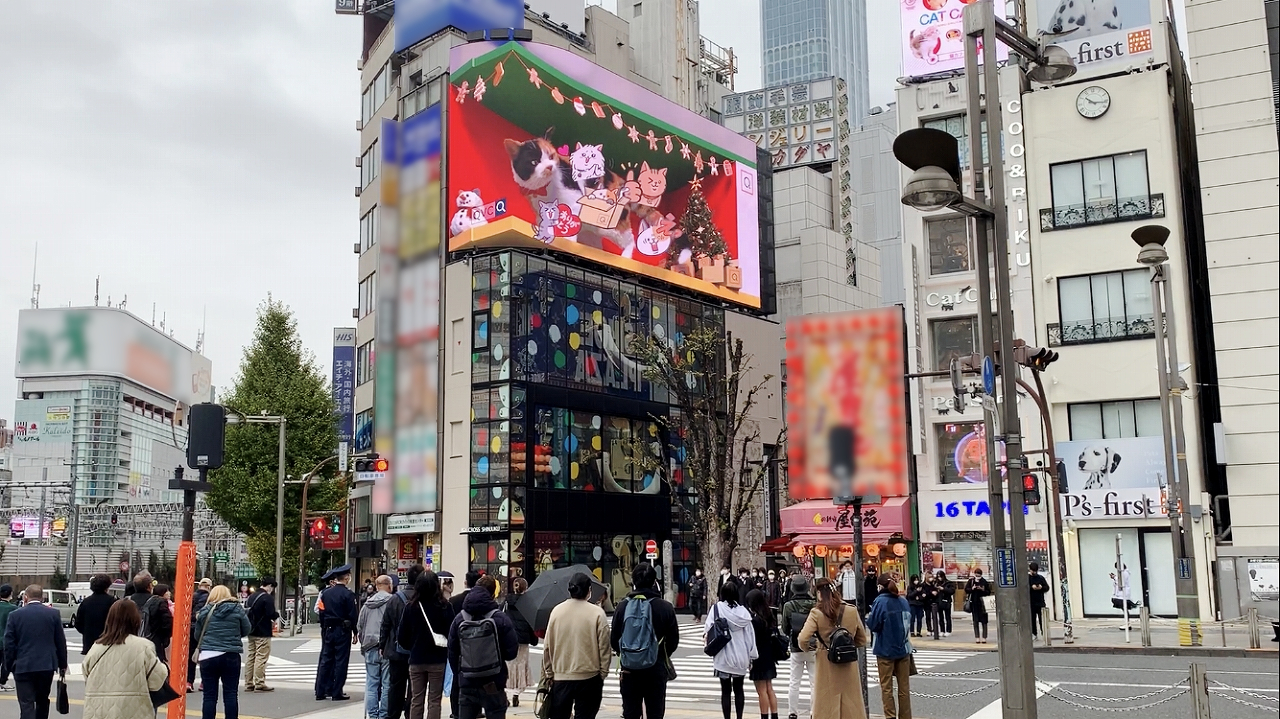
[65,602]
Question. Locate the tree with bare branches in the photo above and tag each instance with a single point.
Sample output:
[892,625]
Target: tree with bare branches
[707,377]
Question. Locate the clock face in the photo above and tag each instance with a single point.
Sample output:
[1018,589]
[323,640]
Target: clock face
[1093,102]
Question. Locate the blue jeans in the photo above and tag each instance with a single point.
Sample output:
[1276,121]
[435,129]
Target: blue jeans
[917,618]
[377,684]
[224,669]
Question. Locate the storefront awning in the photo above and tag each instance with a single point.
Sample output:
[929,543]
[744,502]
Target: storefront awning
[781,544]
[819,521]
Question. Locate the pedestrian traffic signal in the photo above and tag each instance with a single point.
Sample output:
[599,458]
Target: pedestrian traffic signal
[1030,490]
[115,518]
[372,463]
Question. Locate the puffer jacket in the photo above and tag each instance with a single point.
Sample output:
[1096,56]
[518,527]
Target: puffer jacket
[226,625]
[736,657]
[118,680]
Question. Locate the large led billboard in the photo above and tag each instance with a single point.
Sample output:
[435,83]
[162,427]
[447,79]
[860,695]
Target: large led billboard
[547,150]
[1098,35]
[933,36]
[846,405]
[417,20]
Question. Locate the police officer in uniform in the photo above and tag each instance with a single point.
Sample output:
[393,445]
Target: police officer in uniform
[338,614]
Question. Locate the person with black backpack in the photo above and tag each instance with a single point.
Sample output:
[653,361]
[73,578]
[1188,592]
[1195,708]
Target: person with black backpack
[482,640]
[645,633]
[794,614]
[837,686]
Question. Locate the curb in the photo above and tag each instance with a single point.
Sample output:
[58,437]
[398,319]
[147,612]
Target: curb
[1211,652]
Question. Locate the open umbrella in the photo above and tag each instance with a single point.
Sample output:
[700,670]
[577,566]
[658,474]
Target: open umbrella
[551,588]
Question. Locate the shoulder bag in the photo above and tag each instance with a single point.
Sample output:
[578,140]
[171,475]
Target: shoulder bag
[440,640]
[195,651]
[164,694]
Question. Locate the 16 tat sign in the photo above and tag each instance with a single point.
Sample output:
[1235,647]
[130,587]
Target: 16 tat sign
[1115,479]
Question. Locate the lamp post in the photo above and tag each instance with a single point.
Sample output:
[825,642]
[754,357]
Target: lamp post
[934,184]
[306,481]
[1152,239]
[280,422]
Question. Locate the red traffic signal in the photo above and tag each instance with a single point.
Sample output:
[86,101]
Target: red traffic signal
[381,465]
[319,528]
[1030,490]
[372,463]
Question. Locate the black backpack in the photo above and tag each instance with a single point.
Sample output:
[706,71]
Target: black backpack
[479,649]
[841,648]
[720,634]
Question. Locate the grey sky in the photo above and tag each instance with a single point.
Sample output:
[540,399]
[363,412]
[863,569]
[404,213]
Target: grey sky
[200,155]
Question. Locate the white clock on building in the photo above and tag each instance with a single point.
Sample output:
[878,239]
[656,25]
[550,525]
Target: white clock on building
[1093,102]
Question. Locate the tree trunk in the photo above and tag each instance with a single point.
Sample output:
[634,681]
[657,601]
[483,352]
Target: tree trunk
[716,549]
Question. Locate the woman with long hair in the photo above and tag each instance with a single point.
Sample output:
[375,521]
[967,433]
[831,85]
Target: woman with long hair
[518,676]
[121,669]
[733,662]
[975,590]
[837,688]
[765,668]
[219,628]
[426,619]
[916,600]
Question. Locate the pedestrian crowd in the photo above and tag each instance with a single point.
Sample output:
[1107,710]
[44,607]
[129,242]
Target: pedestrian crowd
[421,641]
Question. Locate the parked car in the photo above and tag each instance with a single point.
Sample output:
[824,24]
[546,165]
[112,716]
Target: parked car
[65,602]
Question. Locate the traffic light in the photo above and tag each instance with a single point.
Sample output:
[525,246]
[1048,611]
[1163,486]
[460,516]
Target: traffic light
[1035,358]
[1030,489]
[316,531]
[372,463]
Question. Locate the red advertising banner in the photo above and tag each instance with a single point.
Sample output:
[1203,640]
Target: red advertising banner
[846,405]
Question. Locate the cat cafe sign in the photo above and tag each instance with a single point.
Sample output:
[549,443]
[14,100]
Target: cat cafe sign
[948,300]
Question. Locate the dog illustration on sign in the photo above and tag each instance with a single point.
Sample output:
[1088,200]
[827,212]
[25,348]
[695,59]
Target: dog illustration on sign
[1100,463]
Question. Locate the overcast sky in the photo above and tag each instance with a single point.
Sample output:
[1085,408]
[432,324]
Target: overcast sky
[196,156]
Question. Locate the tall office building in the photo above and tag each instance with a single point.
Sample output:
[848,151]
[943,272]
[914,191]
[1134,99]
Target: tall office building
[812,39]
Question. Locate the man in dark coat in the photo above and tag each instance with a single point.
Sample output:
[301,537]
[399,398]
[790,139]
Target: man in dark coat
[261,608]
[8,605]
[647,687]
[397,661]
[487,694]
[34,648]
[338,615]
[91,616]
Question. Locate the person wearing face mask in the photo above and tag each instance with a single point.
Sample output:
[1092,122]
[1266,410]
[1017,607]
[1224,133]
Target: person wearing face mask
[772,590]
[725,576]
[745,583]
[698,596]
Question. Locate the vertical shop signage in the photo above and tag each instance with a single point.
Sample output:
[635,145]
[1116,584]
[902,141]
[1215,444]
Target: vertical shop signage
[1016,169]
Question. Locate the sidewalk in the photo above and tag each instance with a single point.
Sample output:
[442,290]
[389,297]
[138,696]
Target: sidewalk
[1106,636]
[610,709]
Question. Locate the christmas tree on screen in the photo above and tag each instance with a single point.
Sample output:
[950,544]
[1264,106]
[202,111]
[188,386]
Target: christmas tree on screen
[699,229]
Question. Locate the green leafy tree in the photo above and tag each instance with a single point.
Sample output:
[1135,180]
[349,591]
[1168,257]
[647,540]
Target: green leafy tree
[699,227]
[709,380]
[58,580]
[277,377]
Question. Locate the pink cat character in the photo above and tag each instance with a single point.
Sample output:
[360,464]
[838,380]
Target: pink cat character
[545,230]
[925,44]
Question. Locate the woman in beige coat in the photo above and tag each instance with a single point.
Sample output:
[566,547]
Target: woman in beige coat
[121,669]
[837,688]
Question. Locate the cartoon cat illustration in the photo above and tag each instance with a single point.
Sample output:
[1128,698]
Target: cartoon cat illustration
[545,230]
[470,213]
[650,185]
[925,44]
[654,239]
[543,174]
[588,163]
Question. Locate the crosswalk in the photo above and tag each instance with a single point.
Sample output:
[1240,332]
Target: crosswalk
[694,682]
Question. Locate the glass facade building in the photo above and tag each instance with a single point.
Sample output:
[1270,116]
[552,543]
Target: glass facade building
[575,455]
[811,39]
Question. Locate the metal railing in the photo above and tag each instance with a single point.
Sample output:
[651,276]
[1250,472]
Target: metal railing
[1098,212]
[1108,329]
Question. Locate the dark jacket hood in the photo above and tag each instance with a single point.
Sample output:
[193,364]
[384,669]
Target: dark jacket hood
[478,602]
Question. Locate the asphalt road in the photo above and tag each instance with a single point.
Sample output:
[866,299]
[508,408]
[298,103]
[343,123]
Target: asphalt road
[953,685]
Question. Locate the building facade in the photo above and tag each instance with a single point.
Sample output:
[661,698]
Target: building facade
[1233,65]
[811,39]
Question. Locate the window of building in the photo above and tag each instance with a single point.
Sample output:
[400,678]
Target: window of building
[369,163]
[369,229]
[1105,307]
[958,127]
[364,363]
[1103,189]
[368,295]
[375,94]
[637,9]
[948,245]
[1115,420]
[962,453]
[364,431]
[953,338]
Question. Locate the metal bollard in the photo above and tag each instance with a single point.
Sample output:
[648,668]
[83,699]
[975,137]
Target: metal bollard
[1144,618]
[1199,692]
[1255,631]
[1044,624]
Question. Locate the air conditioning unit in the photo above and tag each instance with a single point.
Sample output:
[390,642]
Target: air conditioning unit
[358,188]
[356,248]
[359,160]
[359,125]
[355,313]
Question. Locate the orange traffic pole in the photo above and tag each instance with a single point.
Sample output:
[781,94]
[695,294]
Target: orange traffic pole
[180,645]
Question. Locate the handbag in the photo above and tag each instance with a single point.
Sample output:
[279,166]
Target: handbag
[542,699]
[719,636]
[164,694]
[63,702]
[440,640]
[968,605]
[781,646]
[911,665]
[667,663]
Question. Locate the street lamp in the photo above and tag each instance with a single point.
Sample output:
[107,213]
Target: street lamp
[234,417]
[1151,240]
[935,183]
